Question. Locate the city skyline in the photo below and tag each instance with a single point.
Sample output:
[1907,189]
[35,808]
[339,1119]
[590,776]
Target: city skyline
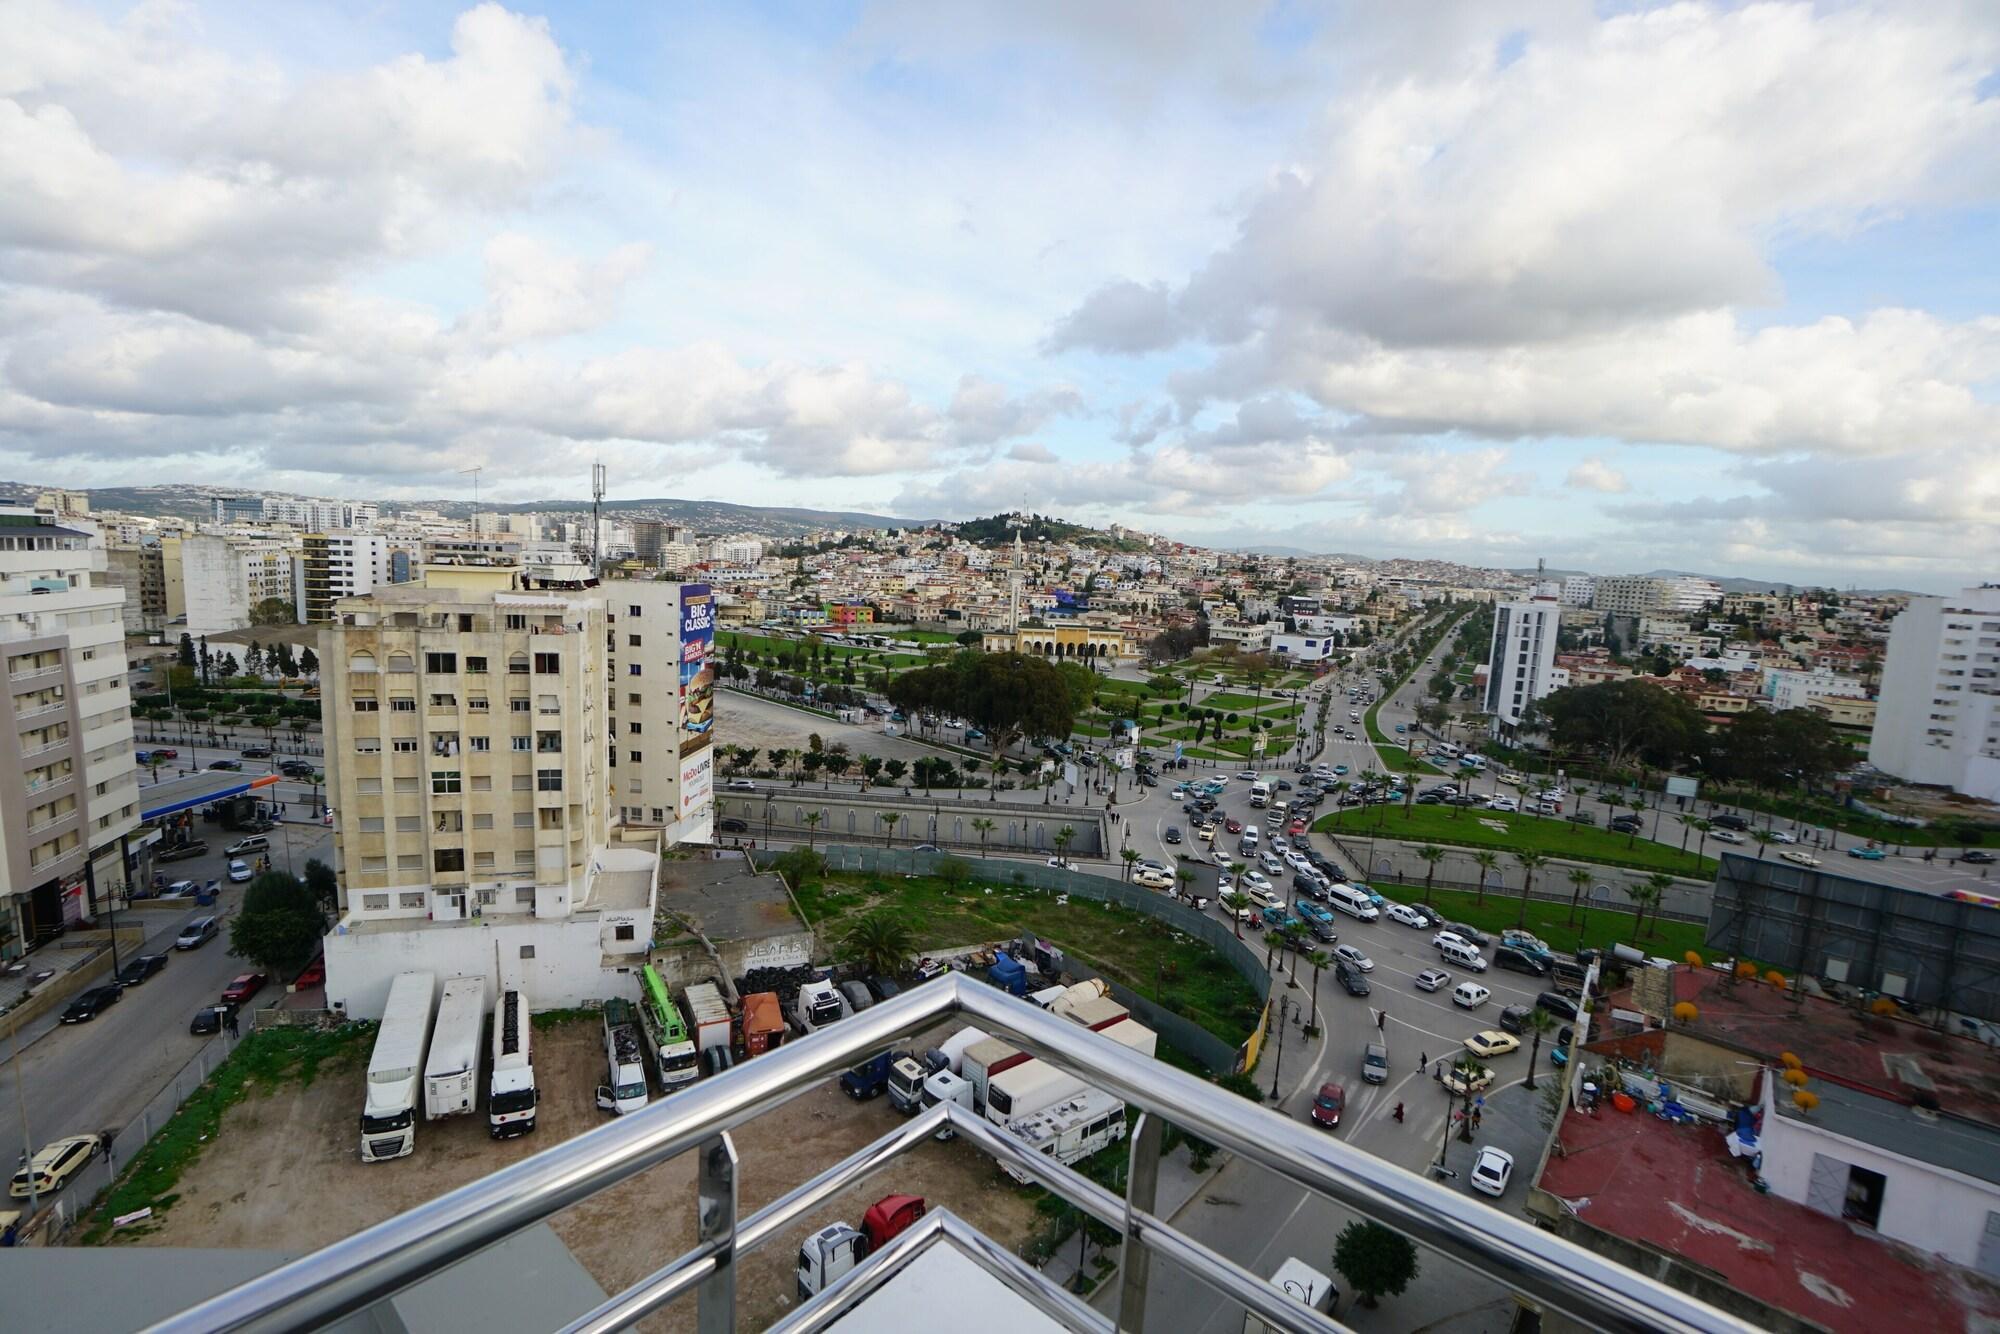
[1637,290]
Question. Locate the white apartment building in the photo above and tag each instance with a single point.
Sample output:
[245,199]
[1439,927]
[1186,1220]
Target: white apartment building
[68,781]
[1522,658]
[1937,719]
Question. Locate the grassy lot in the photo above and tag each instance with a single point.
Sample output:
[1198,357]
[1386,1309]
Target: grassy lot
[267,1058]
[1457,827]
[1597,927]
[1182,974]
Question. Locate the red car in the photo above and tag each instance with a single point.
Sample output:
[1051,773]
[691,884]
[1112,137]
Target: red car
[243,988]
[1233,826]
[313,976]
[1295,828]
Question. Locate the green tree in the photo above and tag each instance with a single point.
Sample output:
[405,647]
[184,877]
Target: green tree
[1376,1261]
[881,942]
[279,926]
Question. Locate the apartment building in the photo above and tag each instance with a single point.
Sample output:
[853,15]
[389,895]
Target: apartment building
[1521,660]
[68,781]
[1937,718]
[336,565]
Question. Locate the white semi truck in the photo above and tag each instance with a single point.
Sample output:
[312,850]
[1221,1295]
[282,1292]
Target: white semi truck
[395,1069]
[451,1074]
[510,1101]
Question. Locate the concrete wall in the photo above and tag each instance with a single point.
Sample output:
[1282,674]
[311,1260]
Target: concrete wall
[568,968]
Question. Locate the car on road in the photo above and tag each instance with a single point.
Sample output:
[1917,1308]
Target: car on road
[136,971]
[1865,854]
[1492,1170]
[1172,834]
[242,987]
[210,1019]
[1352,979]
[57,1162]
[239,872]
[1433,979]
[1977,857]
[89,1004]
[1408,914]
[1492,1042]
[1807,859]
[1327,1105]
[1353,955]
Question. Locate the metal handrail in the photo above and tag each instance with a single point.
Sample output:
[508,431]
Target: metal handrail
[382,1260]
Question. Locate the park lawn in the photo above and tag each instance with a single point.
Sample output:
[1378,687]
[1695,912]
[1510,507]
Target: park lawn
[1472,828]
[1146,955]
[1596,928]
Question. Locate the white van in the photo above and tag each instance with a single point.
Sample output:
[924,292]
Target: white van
[1462,954]
[1348,899]
[1469,995]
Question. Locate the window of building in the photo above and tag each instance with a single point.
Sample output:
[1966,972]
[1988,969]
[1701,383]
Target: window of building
[623,931]
[447,860]
[475,666]
[404,744]
[548,780]
[548,664]
[375,902]
[440,662]
[366,704]
[444,781]
[479,743]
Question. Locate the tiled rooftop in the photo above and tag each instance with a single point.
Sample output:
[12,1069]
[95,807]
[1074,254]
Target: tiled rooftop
[1675,1189]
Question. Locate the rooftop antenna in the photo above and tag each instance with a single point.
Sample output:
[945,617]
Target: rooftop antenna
[597,476]
[475,494]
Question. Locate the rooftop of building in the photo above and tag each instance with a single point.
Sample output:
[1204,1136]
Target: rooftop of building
[1676,1190]
[726,897]
[1891,1057]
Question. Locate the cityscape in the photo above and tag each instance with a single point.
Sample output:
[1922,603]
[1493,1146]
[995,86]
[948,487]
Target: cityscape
[1418,750]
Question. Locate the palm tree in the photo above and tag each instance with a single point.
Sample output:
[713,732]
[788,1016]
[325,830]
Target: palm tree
[1579,880]
[1541,1021]
[1130,855]
[983,827]
[1318,959]
[1765,838]
[881,942]
[1528,862]
[1236,903]
[1486,861]
[1432,854]
[1064,837]
[812,824]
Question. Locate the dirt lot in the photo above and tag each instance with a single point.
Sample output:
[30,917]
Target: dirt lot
[284,1174]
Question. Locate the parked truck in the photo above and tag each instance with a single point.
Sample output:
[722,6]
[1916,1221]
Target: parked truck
[908,1071]
[707,1016]
[624,1059]
[451,1074]
[1303,1284]
[1071,1130]
[819,1004]
[395,1067]
[828,1254]
[763,1023]
[675,1056]
[510,1098]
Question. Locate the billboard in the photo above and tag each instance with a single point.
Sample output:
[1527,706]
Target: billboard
[697,670]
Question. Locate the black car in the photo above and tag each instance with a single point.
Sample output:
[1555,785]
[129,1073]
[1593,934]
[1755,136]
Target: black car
[90,1004]
[732,827]
[1520,961]
[210,1018]
[1976,857]
[141,968]
[1350,977]
[1557,1004]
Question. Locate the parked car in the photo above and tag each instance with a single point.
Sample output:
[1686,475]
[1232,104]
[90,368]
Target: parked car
[57,1162]
[243,987]
[89,1004]
[135,972]
[1492,1170]
[1327,1106]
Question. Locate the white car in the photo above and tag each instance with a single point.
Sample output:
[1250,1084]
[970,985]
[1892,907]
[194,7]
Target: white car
[1354,957]
[1255,880]
[239,872]
[1492,1170]
[1408,916]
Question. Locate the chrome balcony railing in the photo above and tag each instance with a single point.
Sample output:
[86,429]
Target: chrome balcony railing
[374,1264]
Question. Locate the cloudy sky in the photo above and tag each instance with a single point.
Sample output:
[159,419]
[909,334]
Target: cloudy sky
[1620,285]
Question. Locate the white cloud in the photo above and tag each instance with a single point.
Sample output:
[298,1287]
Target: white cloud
[1595,474]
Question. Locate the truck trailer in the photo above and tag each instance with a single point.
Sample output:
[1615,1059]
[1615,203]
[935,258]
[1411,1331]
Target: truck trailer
[624,1060]
[451,1074]
[708,1017]
[510,1099]
[674,1053]
[396,1067]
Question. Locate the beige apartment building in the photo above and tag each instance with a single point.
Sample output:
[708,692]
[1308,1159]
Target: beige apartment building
[68,780]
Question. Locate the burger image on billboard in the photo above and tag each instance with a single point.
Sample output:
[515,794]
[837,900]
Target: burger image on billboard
[697,671]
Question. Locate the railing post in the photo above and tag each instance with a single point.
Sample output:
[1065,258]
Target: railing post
[715,1219]
[1142,1188]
